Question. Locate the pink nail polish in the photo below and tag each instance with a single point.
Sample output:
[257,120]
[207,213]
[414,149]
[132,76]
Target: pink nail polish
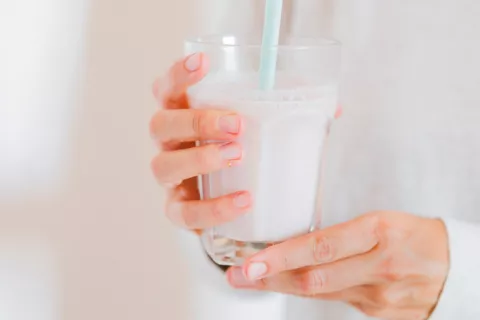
[242,200]
[194,62]
[256,270]
[230,124]
[231,151]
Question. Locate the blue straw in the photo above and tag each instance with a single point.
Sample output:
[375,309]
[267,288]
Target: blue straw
[271,35]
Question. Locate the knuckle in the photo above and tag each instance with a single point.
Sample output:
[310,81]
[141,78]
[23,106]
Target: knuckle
[388,269]
[378,225]
[312,282]
[387,230]
[322,249]
[200,123]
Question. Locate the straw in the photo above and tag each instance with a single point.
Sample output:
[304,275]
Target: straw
[271,34]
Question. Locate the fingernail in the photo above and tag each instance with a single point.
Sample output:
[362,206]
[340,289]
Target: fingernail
[237,278]
[231,151]
[242,200]
[230,124]
[194,62]
[256,270]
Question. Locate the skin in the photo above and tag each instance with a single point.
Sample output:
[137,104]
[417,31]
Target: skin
[389,265]
[175,127]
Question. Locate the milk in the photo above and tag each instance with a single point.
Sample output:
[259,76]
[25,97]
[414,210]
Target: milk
[283,138]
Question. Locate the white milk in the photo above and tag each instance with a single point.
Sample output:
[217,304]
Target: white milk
[283,138]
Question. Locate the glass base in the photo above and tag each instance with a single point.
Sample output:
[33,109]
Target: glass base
[229,252]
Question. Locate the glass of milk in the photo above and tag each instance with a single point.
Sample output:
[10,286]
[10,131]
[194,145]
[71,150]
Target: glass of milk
[283,137]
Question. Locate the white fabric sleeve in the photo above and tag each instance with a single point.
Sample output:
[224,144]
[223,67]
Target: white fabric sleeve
[211,297]
[461,295]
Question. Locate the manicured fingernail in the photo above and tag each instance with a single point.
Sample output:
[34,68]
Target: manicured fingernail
[194,62]
[237,278]
[230,124]
[256,270]
[242,200]
[231,151]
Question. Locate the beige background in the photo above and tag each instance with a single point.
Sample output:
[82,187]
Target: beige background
[126,267]
[82,232]
[83,236]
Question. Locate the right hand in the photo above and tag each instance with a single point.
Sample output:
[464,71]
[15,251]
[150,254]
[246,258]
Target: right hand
[175,128]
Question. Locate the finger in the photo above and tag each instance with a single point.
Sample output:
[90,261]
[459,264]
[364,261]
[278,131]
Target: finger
[186,191]
[191,125]
[332,277]
[174,166]
[324,246]
[197,214]
[283,283]
[170,90]
[329,278]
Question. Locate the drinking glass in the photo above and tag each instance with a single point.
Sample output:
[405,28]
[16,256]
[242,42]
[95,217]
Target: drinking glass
[283,136]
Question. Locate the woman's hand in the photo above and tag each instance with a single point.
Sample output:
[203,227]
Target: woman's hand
[175,128]
[389,265]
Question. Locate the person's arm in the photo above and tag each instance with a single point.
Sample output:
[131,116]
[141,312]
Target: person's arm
[460,298]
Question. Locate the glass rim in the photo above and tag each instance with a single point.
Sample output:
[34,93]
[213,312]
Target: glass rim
[217,40]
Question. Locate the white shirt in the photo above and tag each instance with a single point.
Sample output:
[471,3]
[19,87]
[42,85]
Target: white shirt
[409,139]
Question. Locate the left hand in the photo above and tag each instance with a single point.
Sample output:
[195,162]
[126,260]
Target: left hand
[389,265]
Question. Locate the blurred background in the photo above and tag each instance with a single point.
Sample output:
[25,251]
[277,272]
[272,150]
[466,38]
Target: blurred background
[82,231]
[82,234]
